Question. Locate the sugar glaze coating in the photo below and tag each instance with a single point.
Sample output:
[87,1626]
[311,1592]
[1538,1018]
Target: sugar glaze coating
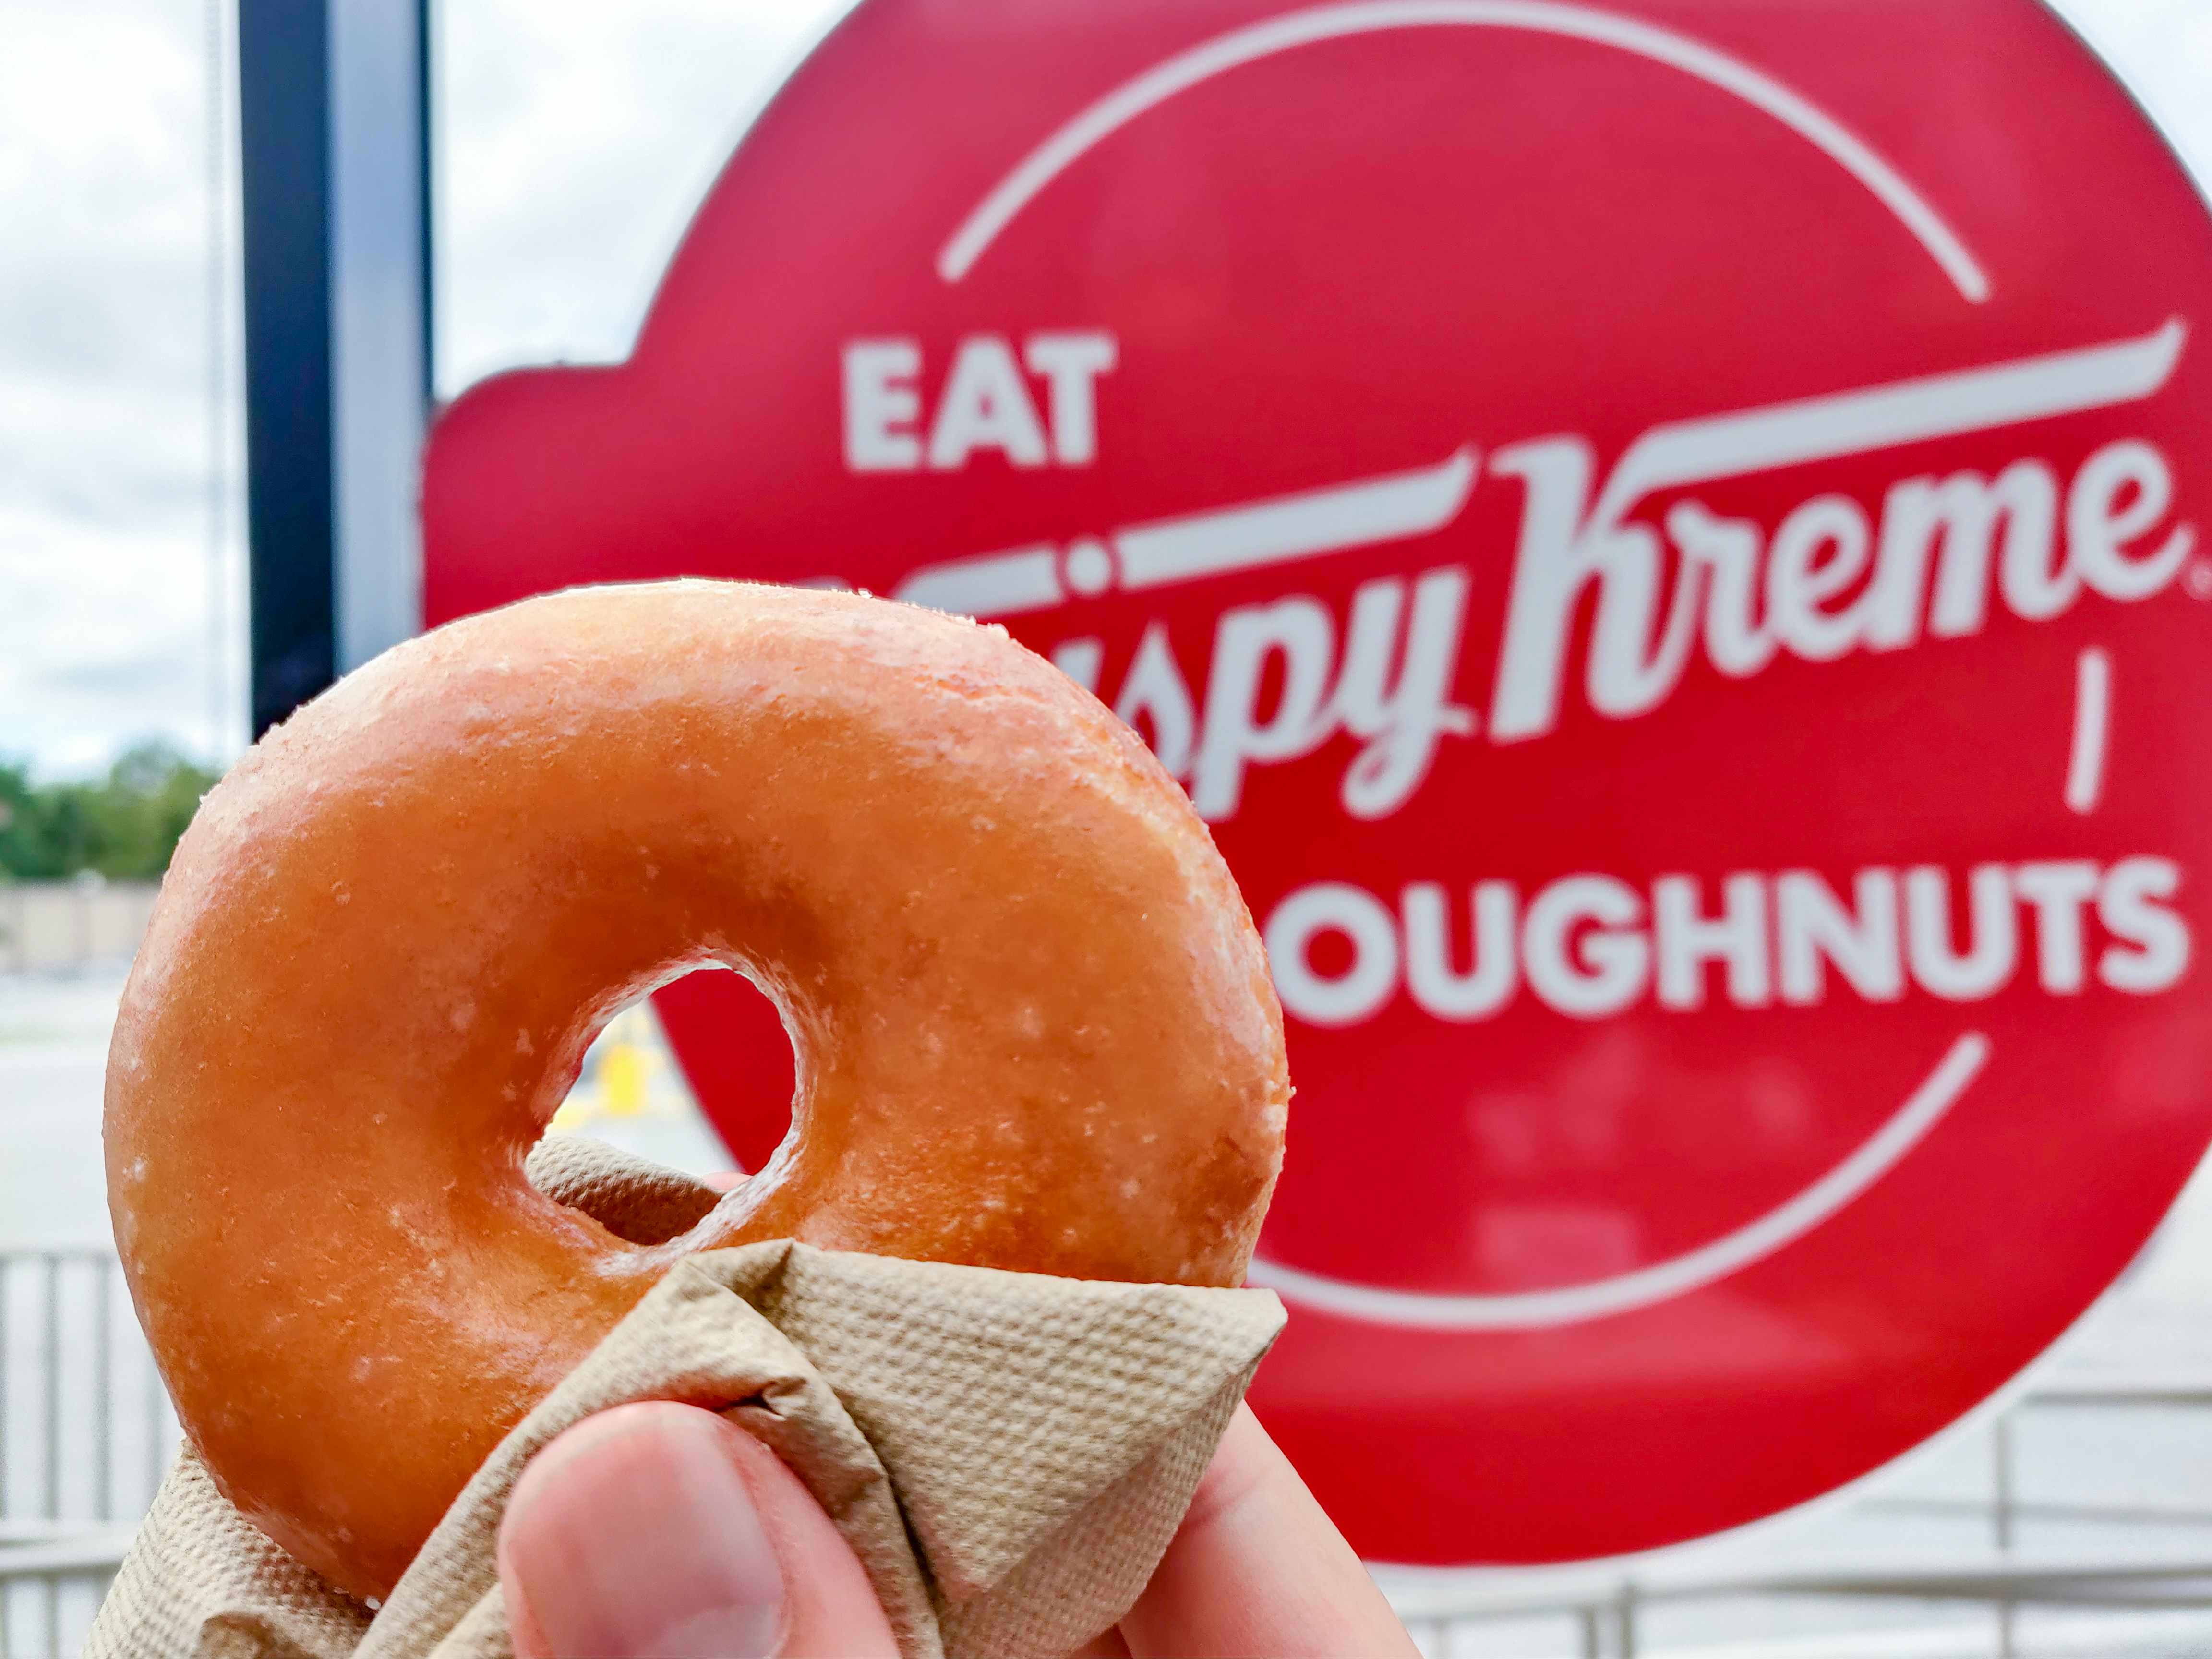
[1033,1021]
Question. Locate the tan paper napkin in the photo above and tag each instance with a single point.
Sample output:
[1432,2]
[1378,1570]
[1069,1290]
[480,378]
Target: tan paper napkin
[1008,1454]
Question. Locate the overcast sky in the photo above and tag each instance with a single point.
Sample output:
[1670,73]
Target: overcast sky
[576,137]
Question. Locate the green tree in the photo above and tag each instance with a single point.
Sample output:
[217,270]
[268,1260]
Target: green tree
[124,826]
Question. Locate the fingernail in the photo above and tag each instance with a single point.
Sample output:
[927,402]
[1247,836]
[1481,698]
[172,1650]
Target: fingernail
[639,1539]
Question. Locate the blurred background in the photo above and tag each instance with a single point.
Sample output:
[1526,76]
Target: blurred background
[571,142]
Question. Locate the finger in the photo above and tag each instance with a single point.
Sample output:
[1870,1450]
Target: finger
[1257,1568]
[661,1529]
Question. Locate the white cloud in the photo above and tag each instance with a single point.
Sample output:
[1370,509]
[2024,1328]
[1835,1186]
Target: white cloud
[108,627]
[578,138]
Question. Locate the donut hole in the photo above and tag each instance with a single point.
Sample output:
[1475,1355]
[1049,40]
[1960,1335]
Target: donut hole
[698,1075]
[731,1042]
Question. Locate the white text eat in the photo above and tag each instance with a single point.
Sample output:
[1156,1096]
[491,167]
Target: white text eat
[984,402]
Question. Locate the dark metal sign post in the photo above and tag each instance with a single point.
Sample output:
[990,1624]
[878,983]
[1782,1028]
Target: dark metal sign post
[334,149]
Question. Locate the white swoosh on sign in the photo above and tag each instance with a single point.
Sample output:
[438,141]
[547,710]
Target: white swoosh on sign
[1664,1280]
[1291,30]
[1873,418]
[1306,525]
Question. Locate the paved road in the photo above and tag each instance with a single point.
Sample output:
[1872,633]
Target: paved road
[53,1047]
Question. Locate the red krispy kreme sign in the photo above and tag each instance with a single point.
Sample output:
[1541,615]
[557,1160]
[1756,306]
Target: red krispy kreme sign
[1666,549]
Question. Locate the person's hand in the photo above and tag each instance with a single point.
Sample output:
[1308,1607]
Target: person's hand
[662,1529]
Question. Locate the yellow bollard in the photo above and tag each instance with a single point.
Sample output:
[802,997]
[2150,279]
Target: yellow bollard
[622,1070]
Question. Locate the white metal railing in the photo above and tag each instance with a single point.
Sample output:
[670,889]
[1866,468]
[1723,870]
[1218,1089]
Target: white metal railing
[86,1433]
[1599,1621]
[1607,1622]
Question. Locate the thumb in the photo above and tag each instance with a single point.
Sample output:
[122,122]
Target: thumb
[662,1529]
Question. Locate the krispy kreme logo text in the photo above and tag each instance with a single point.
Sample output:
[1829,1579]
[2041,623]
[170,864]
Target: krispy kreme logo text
[1931,559]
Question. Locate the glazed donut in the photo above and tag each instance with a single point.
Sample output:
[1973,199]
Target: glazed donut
[1033,1022]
